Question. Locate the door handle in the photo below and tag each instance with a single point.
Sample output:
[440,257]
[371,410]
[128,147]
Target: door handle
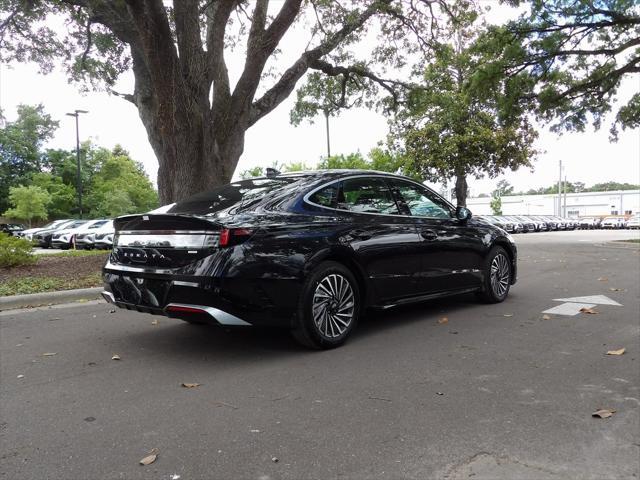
[428,234]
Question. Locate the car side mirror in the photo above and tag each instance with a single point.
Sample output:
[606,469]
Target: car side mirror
[463,213]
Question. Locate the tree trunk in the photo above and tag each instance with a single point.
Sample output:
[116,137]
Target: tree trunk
[461,190]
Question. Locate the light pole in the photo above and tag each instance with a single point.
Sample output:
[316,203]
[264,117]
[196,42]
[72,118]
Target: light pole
[76,113]
[326,118]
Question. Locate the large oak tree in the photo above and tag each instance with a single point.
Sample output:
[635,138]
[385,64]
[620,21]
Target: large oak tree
[195,116]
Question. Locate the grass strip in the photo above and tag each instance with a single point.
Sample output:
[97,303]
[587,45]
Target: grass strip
[24,285]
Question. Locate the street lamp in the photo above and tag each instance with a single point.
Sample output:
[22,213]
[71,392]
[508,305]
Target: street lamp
[76,113]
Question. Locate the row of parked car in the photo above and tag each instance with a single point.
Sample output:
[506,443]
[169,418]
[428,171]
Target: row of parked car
[548,223]
[65,234]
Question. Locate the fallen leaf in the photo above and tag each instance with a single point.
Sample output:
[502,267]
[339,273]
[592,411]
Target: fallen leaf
[49,354]
[255,431]
[589,310]
[615,289]
[546,317]
[443,320]
[439,393]
[113,310]
[508,315]
[616,352]
[603,413]
[149,459]
[154,322]
[603,279]
[175,476]
[115,357]
[275,459]
[380,398]
[190,385]
[20,376]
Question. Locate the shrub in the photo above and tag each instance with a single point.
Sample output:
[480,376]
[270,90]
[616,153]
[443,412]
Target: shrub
[15,251]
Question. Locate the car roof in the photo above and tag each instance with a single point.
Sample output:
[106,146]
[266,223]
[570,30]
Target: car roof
[332,173]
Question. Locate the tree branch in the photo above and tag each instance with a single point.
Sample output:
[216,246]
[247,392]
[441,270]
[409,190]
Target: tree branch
[218,13]
[190,50]
[333,71]
[261,45]
[287,82]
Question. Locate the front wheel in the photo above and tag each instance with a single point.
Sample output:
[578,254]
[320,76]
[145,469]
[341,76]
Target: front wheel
[497,276]
[328,308]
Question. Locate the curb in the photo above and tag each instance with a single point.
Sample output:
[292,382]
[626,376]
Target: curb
[49,298]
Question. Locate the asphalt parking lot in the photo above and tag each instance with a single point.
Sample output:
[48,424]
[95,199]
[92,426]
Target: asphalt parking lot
[495,391]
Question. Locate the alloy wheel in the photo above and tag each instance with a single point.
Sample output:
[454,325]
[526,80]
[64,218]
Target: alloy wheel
[500,273]
[333,305]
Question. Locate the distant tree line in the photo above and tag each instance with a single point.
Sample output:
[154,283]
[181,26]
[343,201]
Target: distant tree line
[504,188]
[41,183]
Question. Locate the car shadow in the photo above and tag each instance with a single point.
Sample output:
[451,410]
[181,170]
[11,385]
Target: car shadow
[246,345]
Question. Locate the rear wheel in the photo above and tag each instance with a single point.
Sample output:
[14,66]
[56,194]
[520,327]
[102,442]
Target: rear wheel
[328,308]
[497,276]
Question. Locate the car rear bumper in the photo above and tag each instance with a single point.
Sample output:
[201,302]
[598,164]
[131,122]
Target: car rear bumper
[205,299]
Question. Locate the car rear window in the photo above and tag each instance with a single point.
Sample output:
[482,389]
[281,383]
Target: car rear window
[237,196]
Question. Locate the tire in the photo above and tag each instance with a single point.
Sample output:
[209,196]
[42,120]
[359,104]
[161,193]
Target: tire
[497,265]
[334,292]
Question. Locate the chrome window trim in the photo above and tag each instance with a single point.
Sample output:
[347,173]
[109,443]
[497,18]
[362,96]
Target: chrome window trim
[400,215]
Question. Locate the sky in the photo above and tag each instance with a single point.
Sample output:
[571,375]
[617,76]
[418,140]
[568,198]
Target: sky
[588,157]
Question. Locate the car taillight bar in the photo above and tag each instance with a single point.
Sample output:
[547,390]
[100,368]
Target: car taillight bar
[233,236]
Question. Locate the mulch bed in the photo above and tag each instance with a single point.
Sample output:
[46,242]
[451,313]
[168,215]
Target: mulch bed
[63,268]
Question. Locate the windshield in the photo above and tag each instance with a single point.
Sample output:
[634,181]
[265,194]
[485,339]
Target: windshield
[238,196]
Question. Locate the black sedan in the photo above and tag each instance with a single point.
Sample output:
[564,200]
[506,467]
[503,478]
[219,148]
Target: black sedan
[308,251]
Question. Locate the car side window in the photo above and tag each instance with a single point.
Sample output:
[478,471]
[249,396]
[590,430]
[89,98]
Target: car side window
[418,201]
[326,197]
[366,195]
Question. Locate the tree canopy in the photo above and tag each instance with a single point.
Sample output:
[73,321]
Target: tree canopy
[113,183]
[28,203]
[22,147]
[195,117]
[577,54]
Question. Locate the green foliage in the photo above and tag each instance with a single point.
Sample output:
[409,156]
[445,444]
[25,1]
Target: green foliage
[577,187]
[63,196]
[457,124]
[378,159]
[574,56]
[120,186]
[43,183]
[350,161]
[28,203]
[503,188]
[26,285]
[251,172]
[21,143]
[496,204]
[15,251]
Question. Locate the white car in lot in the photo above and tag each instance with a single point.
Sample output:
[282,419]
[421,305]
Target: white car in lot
[66,238]
[28,234]
[613,222]
[103,236]
[634,222]
[85,239]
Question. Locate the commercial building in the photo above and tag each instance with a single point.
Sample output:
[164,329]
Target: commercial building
[618,202]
